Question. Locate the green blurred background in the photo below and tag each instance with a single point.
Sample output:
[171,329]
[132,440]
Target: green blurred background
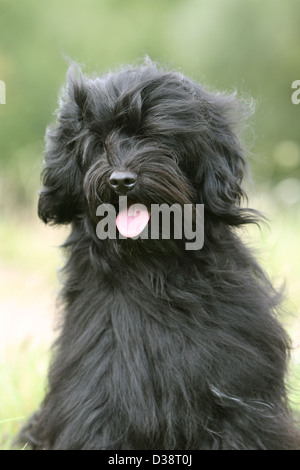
[250,46]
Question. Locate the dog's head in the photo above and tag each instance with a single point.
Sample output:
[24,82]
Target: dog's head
[151,135]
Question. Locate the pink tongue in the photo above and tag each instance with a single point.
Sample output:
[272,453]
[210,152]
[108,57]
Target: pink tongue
[132,221]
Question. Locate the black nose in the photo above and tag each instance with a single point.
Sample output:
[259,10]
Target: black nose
[123,181]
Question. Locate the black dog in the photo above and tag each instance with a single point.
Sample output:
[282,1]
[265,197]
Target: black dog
[161,347]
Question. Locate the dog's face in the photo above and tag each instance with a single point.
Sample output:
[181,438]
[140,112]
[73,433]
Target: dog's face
[155,137]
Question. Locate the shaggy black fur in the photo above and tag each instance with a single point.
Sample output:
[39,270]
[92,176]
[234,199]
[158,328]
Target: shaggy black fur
[160,347]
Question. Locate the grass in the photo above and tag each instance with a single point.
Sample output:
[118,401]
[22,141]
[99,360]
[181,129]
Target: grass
[22,383]
[29,258]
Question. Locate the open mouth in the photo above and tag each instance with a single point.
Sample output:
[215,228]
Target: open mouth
[132,219]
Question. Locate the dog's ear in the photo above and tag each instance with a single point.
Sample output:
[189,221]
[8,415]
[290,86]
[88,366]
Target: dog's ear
[223,165]
[61,197]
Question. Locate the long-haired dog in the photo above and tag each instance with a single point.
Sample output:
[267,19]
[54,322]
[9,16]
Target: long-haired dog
[161,346]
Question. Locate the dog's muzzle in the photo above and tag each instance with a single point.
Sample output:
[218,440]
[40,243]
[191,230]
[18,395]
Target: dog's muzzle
[132,218]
